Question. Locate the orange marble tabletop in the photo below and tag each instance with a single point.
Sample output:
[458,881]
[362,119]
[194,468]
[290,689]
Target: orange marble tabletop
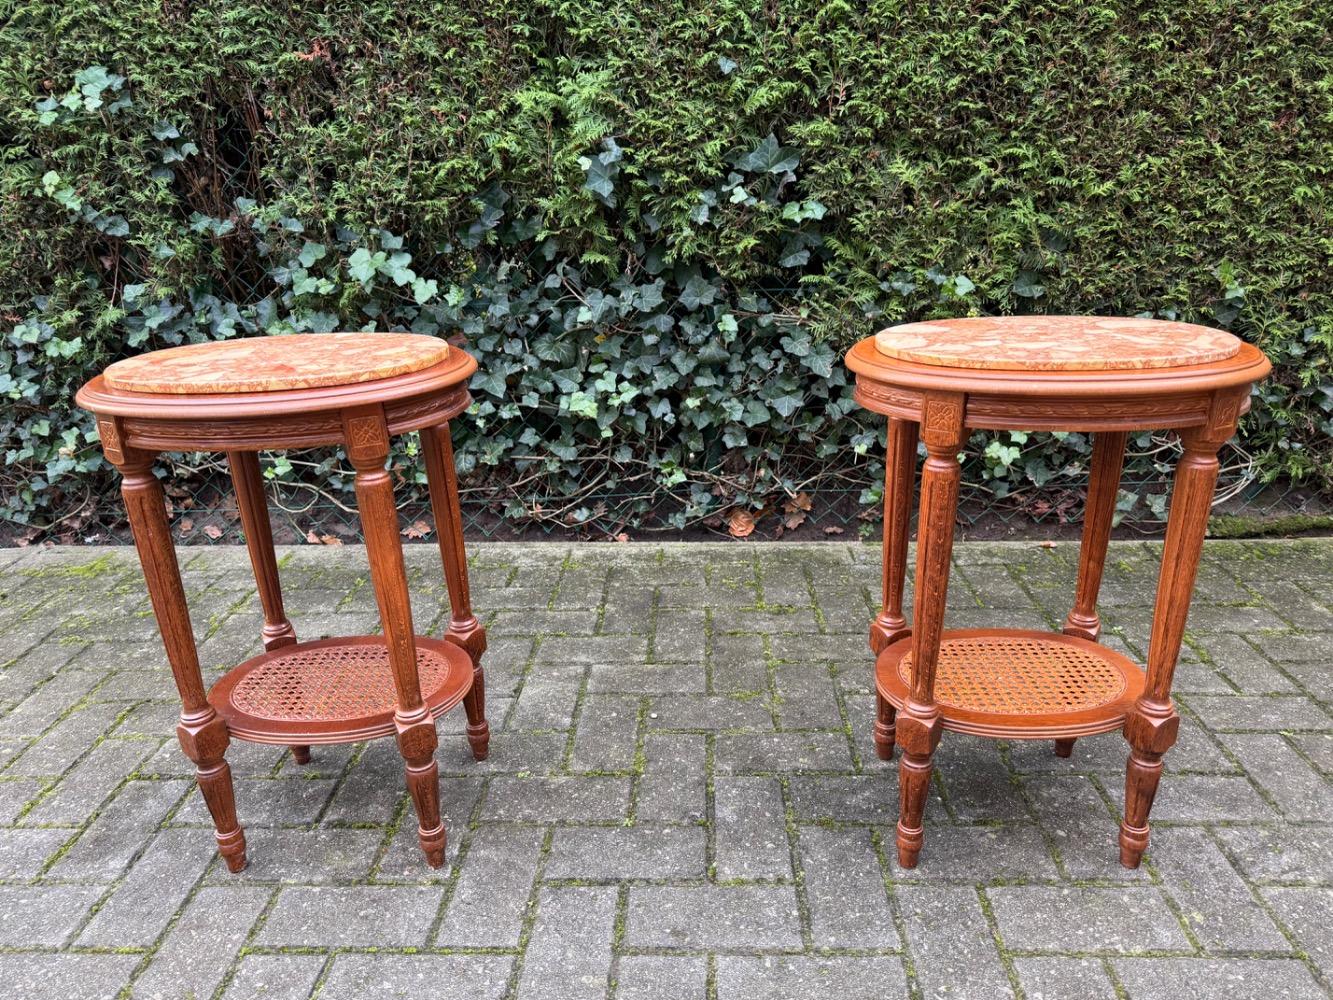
[1056,343]
[270,364]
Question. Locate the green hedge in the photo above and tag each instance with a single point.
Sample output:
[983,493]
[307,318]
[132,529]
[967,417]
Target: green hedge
[658,224]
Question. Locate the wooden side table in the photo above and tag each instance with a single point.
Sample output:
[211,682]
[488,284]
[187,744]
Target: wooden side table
[936,382]
[268,393]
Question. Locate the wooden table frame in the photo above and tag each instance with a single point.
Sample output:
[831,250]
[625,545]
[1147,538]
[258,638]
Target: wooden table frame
[940,406]
[135,427]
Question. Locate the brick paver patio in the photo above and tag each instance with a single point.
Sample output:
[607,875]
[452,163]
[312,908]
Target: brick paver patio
[682,799]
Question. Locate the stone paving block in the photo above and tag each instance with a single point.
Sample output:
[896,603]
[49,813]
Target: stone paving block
[1214,901]
[607,732]
[844,888]
[510,753]
[1012,851]
[750,833]
[648,678]
[65,742]
[1064,979]
[867,798]
[491,898]
[1233,978]
[806,697]
[15,795]
[674,786]
[787,753]
[38,710]
[269,802]
[555,800]
[531,621]
[558,655]
[324,855]
[655,977]
[373,787]
[403,861]
[713,714]
[545,704]
[569,952]
[738,663]
[274,977]
[351,916]
[681,636]
[1080,827]
[203,944]
[977,785]
[115,836]
[69,977]
[1112,920]
[43,915]
[24,852]
[627,852]
[439,977]
[1287,854]
[1276,713]
[1308,914]
[848,651]
[1317,747]
[1189,798]
[952,949]
[1300,792]
[872,978]
[138,910]
[713,917]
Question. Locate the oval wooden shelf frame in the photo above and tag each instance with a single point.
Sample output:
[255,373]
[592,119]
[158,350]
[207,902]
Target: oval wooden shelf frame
[344,728]
[1039,722]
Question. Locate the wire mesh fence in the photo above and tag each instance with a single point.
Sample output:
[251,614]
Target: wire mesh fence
[820,501]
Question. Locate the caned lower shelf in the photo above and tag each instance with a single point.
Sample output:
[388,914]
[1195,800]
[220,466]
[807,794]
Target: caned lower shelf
[1019,684]
[333,690]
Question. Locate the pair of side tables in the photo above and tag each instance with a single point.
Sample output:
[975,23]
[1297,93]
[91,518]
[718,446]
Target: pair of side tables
[936,382]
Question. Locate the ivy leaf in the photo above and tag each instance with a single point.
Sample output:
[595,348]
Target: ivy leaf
[769,158]
[312,252]
[423,290]
[697,292]
[1028,285]
[361,265]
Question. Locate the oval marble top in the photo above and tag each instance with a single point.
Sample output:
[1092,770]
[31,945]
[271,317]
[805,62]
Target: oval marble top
[271,364]
[1056,343]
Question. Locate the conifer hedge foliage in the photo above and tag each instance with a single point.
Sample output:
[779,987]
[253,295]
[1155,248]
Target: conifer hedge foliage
[657,223]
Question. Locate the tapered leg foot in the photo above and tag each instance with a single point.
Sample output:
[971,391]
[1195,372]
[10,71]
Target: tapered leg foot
[478,730]
[417,742]
[913,787]
[1063,748]
[301,754]
[215,784]
[885,727]
[1142,774]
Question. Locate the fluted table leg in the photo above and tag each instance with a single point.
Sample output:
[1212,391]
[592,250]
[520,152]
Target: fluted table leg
[890,625]
[367,439]
[918,725]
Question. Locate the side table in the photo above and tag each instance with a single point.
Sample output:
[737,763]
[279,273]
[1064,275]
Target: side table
[938,381]
[268,393]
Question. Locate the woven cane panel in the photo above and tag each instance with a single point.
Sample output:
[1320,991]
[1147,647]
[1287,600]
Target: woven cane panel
[330,683]
[1020,676]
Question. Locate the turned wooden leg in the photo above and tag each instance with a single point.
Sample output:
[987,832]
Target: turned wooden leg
[201,731]
[885,727]
[367,439]
[1153,723]
[918,724]
[1063,748]
[889,625]
[464,628]
[899,472]
[252,502]
[1108,456]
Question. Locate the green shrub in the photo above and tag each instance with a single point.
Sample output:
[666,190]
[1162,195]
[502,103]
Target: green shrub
[657,224]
